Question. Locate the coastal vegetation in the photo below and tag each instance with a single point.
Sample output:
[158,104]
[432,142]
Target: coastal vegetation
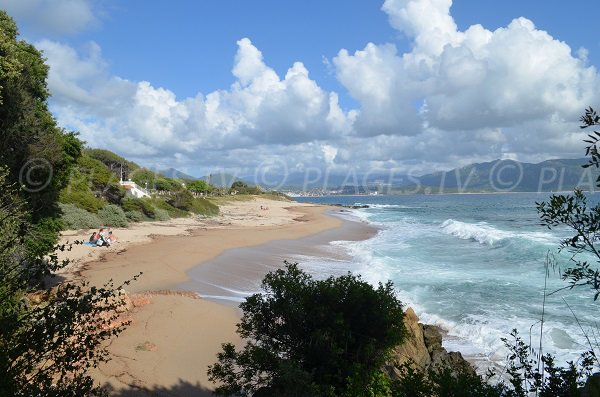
[49,337]
[304,337]
[309,337]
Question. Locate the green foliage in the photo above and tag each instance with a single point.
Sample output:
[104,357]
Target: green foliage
[202,206]
[101,181]
[161,203]
[78,193]
[161,215]
[36,152]
[47,344]
[183,199]
[163,184]
[135,216]
[198,186]
[113,215]
[113,161]
[310,337]
[75,218]
[241,187]
[144,177]
[528,374]
[138,204]
[573,212]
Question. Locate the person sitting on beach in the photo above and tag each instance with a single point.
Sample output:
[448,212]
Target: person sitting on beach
[94,238]
[103,240]
[112,238]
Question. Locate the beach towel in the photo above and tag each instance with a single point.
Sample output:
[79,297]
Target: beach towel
[90,243]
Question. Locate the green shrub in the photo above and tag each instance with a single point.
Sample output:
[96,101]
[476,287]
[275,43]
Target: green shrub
[101,179]
[161,215]
[134,216]
[113,215]
[202,206]
[160,202]
[183,200]
[77,218]
[136,204]
[78,193]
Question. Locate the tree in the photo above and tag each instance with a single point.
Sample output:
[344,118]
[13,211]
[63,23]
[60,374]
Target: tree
[48,338]
[183,200]
[37,153]
[198,186]
[311,337]
[584,221]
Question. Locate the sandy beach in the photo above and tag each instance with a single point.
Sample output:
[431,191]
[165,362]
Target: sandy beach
[174,334]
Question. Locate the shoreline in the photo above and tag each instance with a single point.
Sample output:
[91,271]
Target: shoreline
[237,272]
[174,334]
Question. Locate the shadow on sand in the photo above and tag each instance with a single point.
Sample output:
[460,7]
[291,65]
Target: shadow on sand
[181,389]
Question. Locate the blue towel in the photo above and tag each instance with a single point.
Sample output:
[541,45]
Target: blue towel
[90,243]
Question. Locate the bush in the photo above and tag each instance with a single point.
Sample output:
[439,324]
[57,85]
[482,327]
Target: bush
[161,215]
[78,192]
[307,337]
[205,207]
[161,203]
[77,218]
[113,215]
[136,204]
[134,216]
[183,200]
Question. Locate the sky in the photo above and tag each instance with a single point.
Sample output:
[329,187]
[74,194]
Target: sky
[270,86]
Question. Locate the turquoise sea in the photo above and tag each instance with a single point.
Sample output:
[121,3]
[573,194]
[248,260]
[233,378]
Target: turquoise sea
[472,264]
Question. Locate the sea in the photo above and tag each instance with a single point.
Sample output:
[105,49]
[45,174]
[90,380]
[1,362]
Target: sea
[476,265]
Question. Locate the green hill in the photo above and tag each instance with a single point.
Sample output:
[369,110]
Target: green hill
[94,195]
[510,176]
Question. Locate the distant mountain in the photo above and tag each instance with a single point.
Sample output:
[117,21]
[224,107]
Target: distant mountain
[511,176]
[176,174]
[222,179]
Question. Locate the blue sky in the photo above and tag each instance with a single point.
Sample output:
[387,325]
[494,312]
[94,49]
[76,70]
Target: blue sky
[403,84]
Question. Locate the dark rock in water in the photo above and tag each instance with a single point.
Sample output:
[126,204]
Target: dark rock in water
[422,349]
[354,207]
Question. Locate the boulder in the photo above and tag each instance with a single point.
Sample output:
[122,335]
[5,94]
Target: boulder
[422,349]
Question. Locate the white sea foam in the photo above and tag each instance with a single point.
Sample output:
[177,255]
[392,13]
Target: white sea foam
[483,233]
[477,296]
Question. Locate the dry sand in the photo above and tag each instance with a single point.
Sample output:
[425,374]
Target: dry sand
[174,336]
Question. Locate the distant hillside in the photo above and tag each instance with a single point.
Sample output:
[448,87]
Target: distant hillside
[176,174]
[511,175]
[223,180]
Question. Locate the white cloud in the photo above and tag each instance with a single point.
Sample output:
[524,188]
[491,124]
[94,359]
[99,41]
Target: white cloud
[260,108]
[466,80]
[454,98]
[54,17]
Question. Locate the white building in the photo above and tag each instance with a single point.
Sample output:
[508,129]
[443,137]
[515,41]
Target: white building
[133,189]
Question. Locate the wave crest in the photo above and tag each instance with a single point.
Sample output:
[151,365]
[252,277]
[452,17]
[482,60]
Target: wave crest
[480,232]
[483,233]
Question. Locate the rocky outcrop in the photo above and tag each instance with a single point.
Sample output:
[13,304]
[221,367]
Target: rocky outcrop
[422,349]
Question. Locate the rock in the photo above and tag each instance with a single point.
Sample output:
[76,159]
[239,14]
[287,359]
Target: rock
[413,350]
[432,337]
[423,349]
